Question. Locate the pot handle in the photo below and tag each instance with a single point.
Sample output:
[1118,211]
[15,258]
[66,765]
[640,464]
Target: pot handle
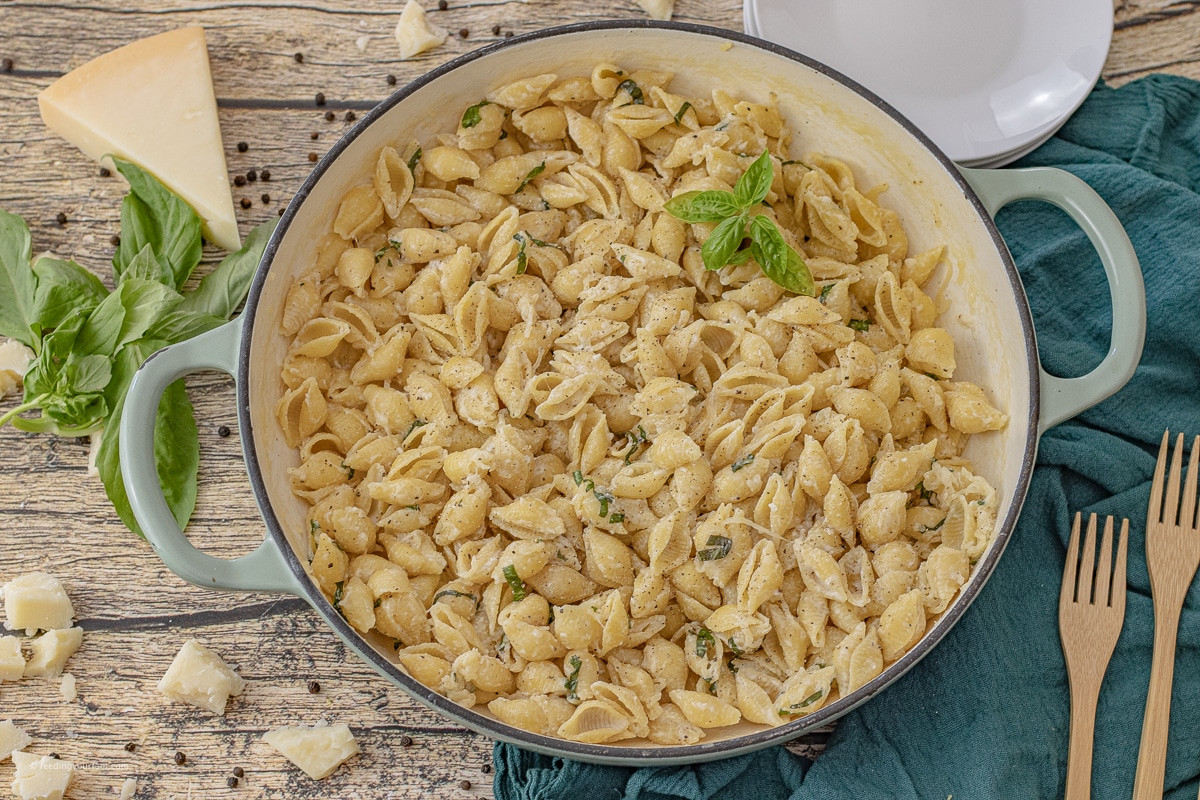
[1063,398]
[264,570]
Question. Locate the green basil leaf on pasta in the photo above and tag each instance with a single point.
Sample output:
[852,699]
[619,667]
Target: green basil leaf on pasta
[470,117]
[778,261]
[710,206]
[755,182]
[723,243]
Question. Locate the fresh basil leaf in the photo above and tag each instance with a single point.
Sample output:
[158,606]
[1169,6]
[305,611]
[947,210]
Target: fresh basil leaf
[682,110]
[221,291]
[778,261]
[74,414]
[739,258]
[176,457]
[17,282]
[125,315]
[710,206]
[633,90]
[44,376]
[152,215]
[755,182]
[415,159]
[723,242]
[63,287]
[533,173]
[88,373]
[470,117]
[146,266]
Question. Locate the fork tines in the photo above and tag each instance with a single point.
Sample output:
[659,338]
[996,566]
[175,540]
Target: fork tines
[1078,584]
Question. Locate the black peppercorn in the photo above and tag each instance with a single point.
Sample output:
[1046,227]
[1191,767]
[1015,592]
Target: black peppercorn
[486,769]
[238,771]
[508,34]
[351,116]
[231,782]
[281,210]
[314,136]
[464,784]
[299,58]
[239,180]
[312,156]
[62,218]
[242,147]
[265,175]
[252,175]
[320,98]
[222,431]
[6,65]
[130,747]
[406,741]
[54,755]
[463,32]
[180,758]
[495,30]
[330,116]
[443,5]
[266,198]
[116,240]
[245,202]
[105,172]
[313,687]
[391,80]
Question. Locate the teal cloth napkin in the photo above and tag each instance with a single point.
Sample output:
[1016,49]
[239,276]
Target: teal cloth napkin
[985,715]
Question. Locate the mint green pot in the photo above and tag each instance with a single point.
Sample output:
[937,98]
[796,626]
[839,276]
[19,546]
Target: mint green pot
[989,317]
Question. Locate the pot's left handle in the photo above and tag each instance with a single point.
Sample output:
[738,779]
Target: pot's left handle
[264,570]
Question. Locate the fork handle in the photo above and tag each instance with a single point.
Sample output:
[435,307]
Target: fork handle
[1152,756]
[1084,698]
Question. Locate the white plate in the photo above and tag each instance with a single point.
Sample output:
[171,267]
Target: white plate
[984,79]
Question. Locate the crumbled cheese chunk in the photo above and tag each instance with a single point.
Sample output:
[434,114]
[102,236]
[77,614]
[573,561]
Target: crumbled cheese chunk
[415,33]
[658,9]
[42,778]
[36,601]
[318,750]
[128,789]
[51,651]
[12,663]
[12,739]
[199,677]
[14,361]
[66,689]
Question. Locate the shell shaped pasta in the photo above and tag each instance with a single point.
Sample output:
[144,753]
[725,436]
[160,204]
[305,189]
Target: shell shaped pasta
[360,212]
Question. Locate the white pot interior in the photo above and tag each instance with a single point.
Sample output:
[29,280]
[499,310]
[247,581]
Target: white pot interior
[992,346]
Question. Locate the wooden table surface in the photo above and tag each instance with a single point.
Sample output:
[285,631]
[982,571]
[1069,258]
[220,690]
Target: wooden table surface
[53,517]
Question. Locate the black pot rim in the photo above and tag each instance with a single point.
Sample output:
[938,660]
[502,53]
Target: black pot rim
[617,754]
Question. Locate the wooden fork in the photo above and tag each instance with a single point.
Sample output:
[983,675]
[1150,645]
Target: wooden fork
[1090,615]
[1172,555]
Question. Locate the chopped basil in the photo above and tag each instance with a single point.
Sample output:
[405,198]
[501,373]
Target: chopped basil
[603,498]
[572,681]
[453,593]
[515,582]
[633,90]
[522,259]
[413,159]
[704,638]
[615,518]
[413,507]
[732,667]
[533,173]
[417,423]
[378,602]
[349,470]
[339,591]
[718,547]
[578,476]
[861,325]
[737,651]
[744,461]
[920,489]
[470,117]
[635,440]
[682,110]
[825,290]
[314,526]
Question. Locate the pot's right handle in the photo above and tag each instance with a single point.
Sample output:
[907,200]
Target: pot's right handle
[1063,398]
[264,570]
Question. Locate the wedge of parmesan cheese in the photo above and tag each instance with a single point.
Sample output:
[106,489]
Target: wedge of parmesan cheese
[36,601]
[415,33]
[12,663]
[318,750]
[51,651]
[152,102]
[658,9]
[14,361]
[42,778]
[12,739]
[200,678]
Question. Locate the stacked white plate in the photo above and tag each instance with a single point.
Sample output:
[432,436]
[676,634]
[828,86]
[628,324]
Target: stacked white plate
[987,81]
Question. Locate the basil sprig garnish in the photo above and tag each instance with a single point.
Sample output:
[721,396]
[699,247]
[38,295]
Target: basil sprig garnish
[731,210]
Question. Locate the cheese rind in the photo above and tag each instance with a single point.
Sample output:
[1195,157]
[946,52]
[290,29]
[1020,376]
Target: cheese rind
[42,778]
[200,678]
[318,750]
[36,601]
[12,739]
[51,651]
[12,663]
[152,102]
